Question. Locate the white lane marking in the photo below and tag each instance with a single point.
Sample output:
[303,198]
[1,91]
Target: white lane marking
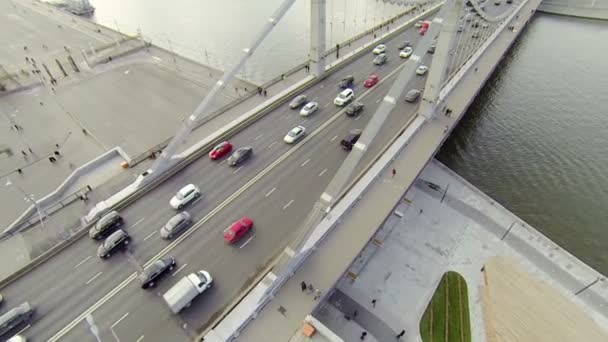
[269,146]
[303,122]
[259,136]
[94,277]
[326,105]
[157,58]
[140,338]
[150,235]
[334,138]
[287,205]
[270,192]
[137,222]
[119,320]
[322,172]
[179,269]
[127,72]
[246,242]
[223,161]
[415,58]
[358,117]
[201,222]
[305,162]
[83,261]
[227,228]
[22,330]
[237,170]
[380,99]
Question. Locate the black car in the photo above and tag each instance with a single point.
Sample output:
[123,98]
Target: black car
[154,271]
[403,45]
[347,81]
[240,156]
[432,49]
[106,225]
[351,139]
[354,109]
[118,239]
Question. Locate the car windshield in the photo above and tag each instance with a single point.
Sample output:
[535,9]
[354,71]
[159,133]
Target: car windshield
[294,132]
[179,195]
[309,106]
[342,96]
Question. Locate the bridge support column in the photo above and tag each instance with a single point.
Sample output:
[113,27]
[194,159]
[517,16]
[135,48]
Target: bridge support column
[317,37]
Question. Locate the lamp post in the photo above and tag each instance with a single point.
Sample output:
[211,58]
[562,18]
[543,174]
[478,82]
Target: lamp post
[29,198]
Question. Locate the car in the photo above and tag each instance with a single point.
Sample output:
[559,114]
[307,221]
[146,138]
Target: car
[237,230]
[418,24]
[344,97]
[220,150]
[421,70]
[404,44]
[106,225]
[240,155]
[297,101]
[406,53]
[425,27]
[15,318]
[379,49]
[346,82]
[17,338]
[432,49]
[380,59]
[295,134]
[354,109]
[184,196]
[371,81]
[1,299]
[412,95]
[150,275]
[310,108]
[351,139]
[175,225]
[118,239]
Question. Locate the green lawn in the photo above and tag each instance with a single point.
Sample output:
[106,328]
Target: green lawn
[446,318]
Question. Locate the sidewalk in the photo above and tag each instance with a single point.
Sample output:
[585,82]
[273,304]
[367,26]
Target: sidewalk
[323,267]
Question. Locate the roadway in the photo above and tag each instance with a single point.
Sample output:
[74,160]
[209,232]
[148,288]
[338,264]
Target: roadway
[75,279]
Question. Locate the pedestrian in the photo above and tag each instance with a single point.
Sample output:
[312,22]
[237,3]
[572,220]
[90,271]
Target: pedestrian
[57,153]
[30,149]
[24,154]
[303,286]
[483,268]
[400,335]
[52,159]
[394,172]
[355,314]
[363,334]
[374,302]
[57,146]
[310,288]
[19,170]
[317,294]
[259,91]
[421,211]
[265,93]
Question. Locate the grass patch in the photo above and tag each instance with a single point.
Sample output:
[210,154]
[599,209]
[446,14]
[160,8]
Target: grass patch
[446,318]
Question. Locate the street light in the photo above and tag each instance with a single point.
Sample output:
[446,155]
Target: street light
[29,198]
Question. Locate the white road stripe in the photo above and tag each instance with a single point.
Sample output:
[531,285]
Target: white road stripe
[140,338]
[237,170]
[246,242]
[223,161]
[196,200]
[179,269]
[83,261]
[157,58]
[259,136]
[326,105]
[94,277]
[137,222]
[380,99]
[269,146]
[358,117]
[334,138]
[305,162]
[119,320]
[322,172]
[270,192]
[287,205]
[150,235]
[24,329]
[127,72]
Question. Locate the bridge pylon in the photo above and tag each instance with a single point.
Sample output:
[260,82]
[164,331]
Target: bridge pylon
[317,37]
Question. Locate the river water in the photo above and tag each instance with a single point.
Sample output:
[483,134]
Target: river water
[534,139]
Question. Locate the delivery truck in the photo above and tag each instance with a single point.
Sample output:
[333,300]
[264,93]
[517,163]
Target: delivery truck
[184,291]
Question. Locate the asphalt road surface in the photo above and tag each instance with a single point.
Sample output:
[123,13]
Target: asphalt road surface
[277,187]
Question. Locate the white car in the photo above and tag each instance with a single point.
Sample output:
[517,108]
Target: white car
[295,134]
[344,97]
[406,53]
[418,24]
[421,70]
[379,49]
[310,108]
[17,338]
[184,196]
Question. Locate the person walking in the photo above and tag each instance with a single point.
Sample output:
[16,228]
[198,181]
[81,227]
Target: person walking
[400,335]
[374,302]
[363,334]
[303,286]
[394,172]
[317,294]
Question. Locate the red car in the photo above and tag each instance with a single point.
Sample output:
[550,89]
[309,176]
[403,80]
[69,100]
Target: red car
[371,81]
[220,150]
[237,230]
[425,27]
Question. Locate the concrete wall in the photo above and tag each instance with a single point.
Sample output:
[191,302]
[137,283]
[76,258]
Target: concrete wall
[594,9]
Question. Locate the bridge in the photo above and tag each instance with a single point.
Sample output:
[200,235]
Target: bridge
[304,198]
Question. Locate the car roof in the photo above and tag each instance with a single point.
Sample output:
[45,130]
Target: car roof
[186,188]
[297,129]
[116,235]
[346,91]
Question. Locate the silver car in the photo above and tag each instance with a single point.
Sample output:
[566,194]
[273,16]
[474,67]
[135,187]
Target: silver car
[412,95]
[297,101]
[380,59]
[175,225]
